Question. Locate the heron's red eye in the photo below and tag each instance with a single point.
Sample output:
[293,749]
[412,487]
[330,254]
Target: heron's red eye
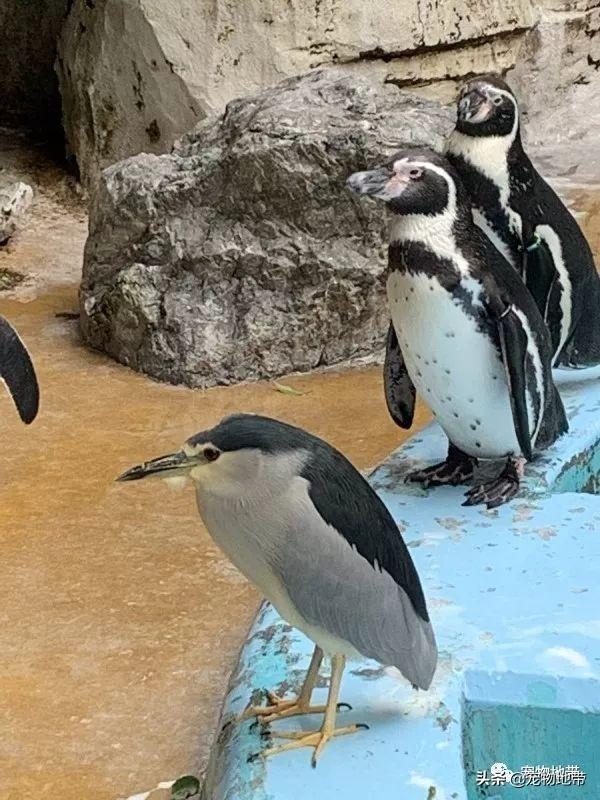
[415,173]
[211,453]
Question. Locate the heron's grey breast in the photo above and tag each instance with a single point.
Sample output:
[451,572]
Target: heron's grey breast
[248,533]
[254,535]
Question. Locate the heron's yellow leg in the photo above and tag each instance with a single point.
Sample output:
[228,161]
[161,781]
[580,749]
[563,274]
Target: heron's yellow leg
[278,708]
[318,739]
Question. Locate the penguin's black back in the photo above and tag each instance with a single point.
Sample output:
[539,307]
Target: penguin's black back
[539,204]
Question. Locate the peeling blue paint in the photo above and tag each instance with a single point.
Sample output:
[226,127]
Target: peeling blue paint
[514,596]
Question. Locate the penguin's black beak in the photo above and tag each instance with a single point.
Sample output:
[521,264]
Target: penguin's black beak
[474,106]
[371,182]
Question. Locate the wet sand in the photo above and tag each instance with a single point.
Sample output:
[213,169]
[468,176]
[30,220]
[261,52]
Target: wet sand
[120,620]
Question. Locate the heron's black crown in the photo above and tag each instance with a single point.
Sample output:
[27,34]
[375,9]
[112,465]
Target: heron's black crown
[252,430]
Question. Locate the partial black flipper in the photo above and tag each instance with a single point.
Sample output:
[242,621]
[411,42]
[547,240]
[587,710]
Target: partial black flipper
[542,280]
[17,371]
[400,392]
[513,344]
[553,316]
[538,270]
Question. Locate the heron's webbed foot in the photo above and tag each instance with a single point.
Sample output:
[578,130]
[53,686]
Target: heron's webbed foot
[498,491]
[316,739]
[456,469]
[278,708]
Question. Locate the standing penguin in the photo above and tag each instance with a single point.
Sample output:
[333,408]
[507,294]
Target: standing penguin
[17,372]
[526,220]
[466,334]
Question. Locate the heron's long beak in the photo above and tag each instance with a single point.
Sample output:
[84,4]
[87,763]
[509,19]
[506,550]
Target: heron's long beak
[175,463]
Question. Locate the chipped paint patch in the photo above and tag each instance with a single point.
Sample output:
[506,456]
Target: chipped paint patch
[433,792]
[546,533]
[450,523]
[443,717]
[523,512]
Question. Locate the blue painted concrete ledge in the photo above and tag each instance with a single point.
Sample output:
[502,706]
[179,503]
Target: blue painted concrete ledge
[514,596]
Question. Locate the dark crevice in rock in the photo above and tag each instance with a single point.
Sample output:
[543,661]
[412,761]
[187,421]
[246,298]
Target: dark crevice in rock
[377,54]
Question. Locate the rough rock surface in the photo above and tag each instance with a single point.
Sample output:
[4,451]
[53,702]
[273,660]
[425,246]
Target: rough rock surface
[135,74]
[123,88]
[557,77]
[15,199]
[242,254]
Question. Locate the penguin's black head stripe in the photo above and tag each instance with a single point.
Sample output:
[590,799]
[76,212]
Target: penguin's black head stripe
[415,181]
[490,79]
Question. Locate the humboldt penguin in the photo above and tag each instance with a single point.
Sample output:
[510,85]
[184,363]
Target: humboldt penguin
[467,335]
[17,372]
[526,219]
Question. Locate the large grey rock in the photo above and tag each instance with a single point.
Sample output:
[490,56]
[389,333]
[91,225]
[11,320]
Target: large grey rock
[242,254]
[135,74]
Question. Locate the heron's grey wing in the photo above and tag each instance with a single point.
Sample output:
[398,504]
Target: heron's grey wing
[17,371]
[399,389]
[337,589]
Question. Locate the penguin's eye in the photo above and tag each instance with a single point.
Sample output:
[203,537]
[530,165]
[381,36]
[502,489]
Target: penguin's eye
[497,101]
[415,173]
[211,453]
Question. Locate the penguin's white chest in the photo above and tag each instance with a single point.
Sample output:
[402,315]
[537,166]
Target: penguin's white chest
[454,366]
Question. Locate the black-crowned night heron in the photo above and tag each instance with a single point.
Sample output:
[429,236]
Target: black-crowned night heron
[17,372]
[307,529]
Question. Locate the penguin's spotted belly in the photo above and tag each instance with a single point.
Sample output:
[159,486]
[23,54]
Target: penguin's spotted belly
[455,366]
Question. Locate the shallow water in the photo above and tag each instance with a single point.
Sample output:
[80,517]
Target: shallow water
[120,620]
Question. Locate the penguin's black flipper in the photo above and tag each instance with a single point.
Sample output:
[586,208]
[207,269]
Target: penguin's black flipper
[400,392]
[541,279]
[17,371]
[553,315]
[513,344]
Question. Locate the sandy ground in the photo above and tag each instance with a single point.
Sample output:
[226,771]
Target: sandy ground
[119,619]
